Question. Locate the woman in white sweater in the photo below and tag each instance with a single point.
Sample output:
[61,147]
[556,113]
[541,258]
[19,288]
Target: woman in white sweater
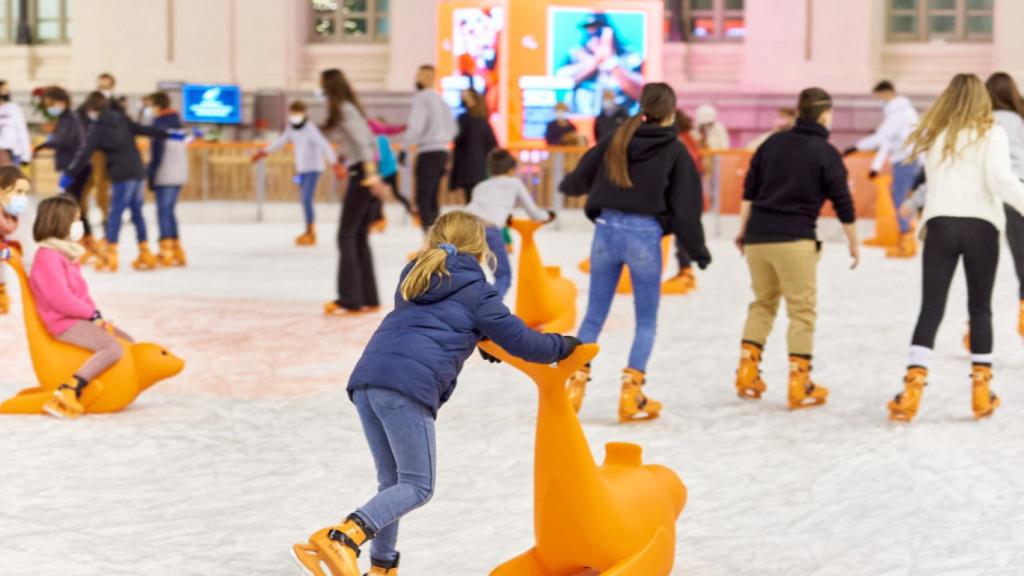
[969,179]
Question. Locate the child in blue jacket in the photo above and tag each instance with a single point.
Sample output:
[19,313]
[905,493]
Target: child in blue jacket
[443,308]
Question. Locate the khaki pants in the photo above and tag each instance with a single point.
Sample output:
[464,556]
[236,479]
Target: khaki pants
[784,270]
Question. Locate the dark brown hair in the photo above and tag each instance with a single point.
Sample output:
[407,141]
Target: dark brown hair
[57,94]
[95,101]
[812,104]
[54,217]
[108,76]
[1004,93]
[479,107]
[9,176]
[337,90]
[883,86]
[683,122]
[501,161]
[159,99]
[657,103]
[297,106]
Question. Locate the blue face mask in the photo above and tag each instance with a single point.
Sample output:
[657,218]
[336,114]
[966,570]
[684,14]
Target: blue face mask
[17,205]
[55,111]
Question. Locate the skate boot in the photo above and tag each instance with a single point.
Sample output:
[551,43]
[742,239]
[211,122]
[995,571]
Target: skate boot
[380,568]
[64,404]
[166,256]
[106,257]
[749,384]
[803,393]
[904,406]
[983,401]
[146,259]
[179,253]
[683,282]
[307,238]
[90,246]
[1020,323]
[633,403]
[577,387]
[907,247]
[5,300]
[336,547]
[379,226]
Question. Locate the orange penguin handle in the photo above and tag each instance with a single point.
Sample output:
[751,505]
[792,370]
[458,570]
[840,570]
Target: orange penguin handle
[543,373]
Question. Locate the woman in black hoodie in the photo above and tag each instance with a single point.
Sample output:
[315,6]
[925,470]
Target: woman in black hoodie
[642,184]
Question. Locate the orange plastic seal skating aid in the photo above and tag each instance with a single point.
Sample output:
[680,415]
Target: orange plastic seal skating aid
[618,519]
[544,299]
[55,363]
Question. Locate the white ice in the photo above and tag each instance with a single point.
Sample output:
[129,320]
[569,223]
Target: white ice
[255,445]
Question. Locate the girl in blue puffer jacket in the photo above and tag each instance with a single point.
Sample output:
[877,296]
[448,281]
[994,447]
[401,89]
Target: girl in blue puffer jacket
[443,308]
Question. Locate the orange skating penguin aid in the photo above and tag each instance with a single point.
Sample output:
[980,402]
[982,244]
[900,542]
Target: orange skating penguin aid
[141,366]
[544,299]
[618,519]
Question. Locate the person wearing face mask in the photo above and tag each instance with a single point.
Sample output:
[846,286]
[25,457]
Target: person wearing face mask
[474,143]
[790,177]
[311,149]
[167,173]
[15,143]
[430,131]
[560,131]
[105,84]
[708,131]
[14,188]
[611,117]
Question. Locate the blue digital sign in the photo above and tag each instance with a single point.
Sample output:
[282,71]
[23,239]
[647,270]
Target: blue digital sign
[212,103]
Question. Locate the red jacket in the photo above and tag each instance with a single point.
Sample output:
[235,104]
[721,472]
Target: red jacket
[693,149]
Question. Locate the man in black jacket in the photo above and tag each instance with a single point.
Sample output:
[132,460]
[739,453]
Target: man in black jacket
[791,176]
[66,140]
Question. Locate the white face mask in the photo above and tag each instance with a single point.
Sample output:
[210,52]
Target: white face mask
[94,116]
[77,231]
[296,119]
[148,113]
[17,205]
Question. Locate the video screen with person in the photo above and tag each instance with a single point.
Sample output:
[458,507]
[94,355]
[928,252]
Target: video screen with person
[475,48]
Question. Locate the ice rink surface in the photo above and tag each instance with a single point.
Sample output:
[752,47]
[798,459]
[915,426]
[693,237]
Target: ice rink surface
[255,445]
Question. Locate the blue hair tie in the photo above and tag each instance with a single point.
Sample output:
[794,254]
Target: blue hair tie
[449,248]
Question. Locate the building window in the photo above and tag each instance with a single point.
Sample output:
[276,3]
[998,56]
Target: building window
[49,20]
[349,20]
[945,20]
[705,20]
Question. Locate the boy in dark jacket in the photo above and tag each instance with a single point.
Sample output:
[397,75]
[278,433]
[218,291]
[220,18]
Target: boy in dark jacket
[791,176]
[66,140]
[166,174]
[114,133]
[443,308]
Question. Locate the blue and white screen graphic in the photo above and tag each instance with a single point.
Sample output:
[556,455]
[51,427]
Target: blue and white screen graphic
[212,103]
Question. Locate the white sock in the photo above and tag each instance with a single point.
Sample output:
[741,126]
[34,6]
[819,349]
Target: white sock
[920,356]
[981,359]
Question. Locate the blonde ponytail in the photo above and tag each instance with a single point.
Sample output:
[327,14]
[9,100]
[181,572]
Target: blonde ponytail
[453,233]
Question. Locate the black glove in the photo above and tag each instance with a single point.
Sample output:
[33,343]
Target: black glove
[571,342]
[401,158]
[850,150]
[873,174]
[552,216]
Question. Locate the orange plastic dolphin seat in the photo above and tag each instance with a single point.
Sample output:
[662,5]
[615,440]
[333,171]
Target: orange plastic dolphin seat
[544,299]
[617,519]
[55,363]
[625,285]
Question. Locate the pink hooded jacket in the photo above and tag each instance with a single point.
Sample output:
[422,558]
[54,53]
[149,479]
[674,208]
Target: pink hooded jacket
[62,297]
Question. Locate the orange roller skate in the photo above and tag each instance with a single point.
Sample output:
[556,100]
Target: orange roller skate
[634,405]
[146,260]
[577,387]
[749,384]
[1020,323]
[983,400]
[804,393]
[378,568]
[903,407]
[307,238]
[335,547]
[64,404]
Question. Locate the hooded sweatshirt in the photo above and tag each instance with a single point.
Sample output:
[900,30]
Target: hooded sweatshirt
[666,185]
[900,119]
[419,348]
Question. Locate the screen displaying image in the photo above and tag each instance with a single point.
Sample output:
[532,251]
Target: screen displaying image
[475,46]
[212,103]
[600,53]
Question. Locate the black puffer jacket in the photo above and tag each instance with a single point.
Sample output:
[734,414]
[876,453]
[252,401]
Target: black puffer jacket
[665,185]
[114,134]
[67,138]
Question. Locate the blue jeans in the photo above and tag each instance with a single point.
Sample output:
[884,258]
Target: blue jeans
[166,200]
[126,194]
[503,270]
[307,190]
[400,432]
[902,179]
[635,241]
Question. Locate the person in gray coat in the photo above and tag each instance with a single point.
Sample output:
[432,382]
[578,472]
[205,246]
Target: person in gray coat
[167,173]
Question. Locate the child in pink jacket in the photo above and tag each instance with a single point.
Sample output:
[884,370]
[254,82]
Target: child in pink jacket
[64,305]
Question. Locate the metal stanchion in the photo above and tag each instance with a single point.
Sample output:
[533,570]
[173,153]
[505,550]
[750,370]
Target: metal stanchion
[261,188]
[716,192]
[206,174]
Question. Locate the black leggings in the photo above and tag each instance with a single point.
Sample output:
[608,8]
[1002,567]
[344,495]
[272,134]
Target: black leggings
[429,170]
[1015,236]
[357,285]
[947,240]
[76,190]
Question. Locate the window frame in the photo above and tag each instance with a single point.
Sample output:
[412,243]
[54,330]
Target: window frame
[61,19]
[923,12]
[718,13]
[373,15]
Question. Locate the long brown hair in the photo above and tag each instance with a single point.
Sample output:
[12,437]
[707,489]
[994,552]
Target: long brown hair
[657,103]
[1004,93]
[9,176]
[479,108]
[462,230]
[337,90]
[963,106]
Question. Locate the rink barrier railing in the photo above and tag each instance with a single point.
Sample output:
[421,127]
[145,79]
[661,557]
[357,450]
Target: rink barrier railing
[223,171]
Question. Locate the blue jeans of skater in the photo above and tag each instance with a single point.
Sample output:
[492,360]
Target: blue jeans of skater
[166,201]
[503,270]
[635,241]
[126,194]
[307,190]
[902,179]
[400,432]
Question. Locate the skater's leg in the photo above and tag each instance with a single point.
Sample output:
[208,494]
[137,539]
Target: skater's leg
[429,170]
[1015,237]
[409,427]
[605,268]
[353,215]
[682,256]
[307,192]
[939,262]
[78,191]
[903,176]
[119,201]
[503,268]
[135,201]
[392,181]
[643,257]
[90,336]
[765,282]
[797,268]
[369,295]
[981,259]
[383,547]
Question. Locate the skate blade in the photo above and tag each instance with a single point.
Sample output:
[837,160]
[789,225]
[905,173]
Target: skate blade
[308,560]
[66,416]
[900,416]
[749,393]
[806,405]
[989,413]
[626,419]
